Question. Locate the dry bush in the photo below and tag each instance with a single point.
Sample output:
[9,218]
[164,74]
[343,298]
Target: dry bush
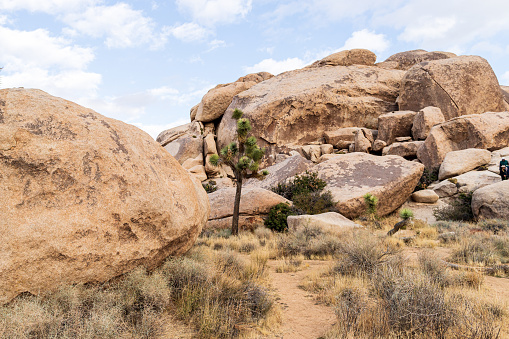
[309,241]
[292,264]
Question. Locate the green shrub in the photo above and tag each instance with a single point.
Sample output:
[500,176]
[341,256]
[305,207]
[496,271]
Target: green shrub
[428,176]
[406,213]
[458,210]
[210,186]
[313,203]
[278,214]
[371,202]
[305,183]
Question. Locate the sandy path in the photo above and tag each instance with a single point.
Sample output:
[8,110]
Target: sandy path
[302,316]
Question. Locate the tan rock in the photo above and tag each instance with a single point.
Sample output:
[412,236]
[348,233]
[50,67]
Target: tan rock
[199,172]
[246,222]
[190,163]
[492,202]
[403,149]
[445,189]
[341,137]
[425,196]
[297,107]
[458,86]
[186,147]
[220,183]
[312,152]
[216,101]
[210,169]
[326,149]
[405,60]
[485,131]
[395,124]
[379,145]
[471,181]
[85,198]
[209,145]
[325,157]
[349,177]
[505,94]
[403,139]
[279,172]
[459,162]
[193,111]
[330,222]
[363,140]
[254,202]
[209,128]
[347,58]
[424,120]
[190,129]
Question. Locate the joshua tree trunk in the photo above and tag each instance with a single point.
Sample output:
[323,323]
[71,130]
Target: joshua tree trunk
[398,226]
[236,208]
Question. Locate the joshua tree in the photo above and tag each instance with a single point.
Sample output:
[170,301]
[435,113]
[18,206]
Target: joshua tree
[407,216]
[243,158]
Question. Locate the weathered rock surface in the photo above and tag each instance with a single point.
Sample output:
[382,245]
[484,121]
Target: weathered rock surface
[379,145]
[312,152]
[85,198]
[278,173]
[445,189]
[405,60]
[297,107]
[485,131]
[329,222]
[363,141]
[186,147]
[492,201]
[190,129]
[403,149]
[462,161]
[342,137]
[255,204]
[216,101]
[505,94]
[471,181]
[458,86]
[347,58]
[425,196]
[349,177]
[424,120]
[395,124]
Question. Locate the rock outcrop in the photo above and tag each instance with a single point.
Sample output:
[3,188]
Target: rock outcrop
[349,177]
[395,124]
[85,198]
[216,101]
[405,60]
[459,162]
[328,222]
[255,204]
[424,120]
[491,202]
[183,142]
[458,86]
[485,131]
[347,58]
[297,107]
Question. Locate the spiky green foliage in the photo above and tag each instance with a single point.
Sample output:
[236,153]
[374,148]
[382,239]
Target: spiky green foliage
[243,157]
[406,213]
[371,202]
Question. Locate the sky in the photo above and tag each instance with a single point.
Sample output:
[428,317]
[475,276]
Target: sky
[147,62]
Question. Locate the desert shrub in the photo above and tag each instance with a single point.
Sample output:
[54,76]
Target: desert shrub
[313,203]
[494,225]
[307,182]
[371,203]
[309,241]
[435,269]
[476,249]
[276,220]
[458,210]
[210,187]
[428,177]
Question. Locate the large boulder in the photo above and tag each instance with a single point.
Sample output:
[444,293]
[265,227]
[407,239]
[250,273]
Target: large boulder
[347,58]
[405,60]
[297,107]
[472,181]
[485,131]
[403,149]
[462,161]
[424,120]
[363,141]
[341,137]
[85,198]
[496,157]
[395,124]
[191,129]
[216,101]
[329,222]
[183,142]
[492,202]
[349,177]
[255,204]
[278,173]
[458,86]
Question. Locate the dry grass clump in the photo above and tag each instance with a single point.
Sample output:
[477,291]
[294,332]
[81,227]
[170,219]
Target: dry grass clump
[217,294]
[310,241]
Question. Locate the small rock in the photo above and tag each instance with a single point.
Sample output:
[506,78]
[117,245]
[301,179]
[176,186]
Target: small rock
[379,145]
[326,148]
[445,189]
[403,139]
[425,196]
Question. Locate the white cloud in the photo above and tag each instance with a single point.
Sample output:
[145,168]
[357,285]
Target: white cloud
[212,12]
[214,44]
[368,40]
[505,78]
[189,32]
[154,129]
[47,6]
[121,25]
[428,28]
[276,67]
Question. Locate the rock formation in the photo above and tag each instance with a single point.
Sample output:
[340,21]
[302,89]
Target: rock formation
[85,198]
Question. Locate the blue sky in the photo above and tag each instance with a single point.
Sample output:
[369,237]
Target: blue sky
[148,62]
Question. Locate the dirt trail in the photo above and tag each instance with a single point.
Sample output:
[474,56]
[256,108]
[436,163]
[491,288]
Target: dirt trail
[303,317]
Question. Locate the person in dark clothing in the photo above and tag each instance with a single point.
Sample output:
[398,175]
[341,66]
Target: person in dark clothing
[504,169]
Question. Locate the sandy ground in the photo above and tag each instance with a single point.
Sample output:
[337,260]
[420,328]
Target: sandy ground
[303,317]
